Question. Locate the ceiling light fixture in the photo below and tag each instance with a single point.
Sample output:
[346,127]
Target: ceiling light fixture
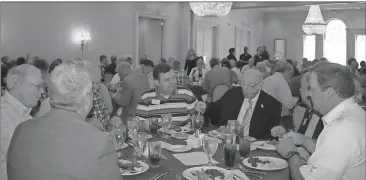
[211,9]
[314,22]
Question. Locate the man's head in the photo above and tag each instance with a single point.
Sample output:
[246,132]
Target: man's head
[5,59]
[214,62]
[251,62]
[103,60]
[330,84]
[21,60]
[245,49]
[304,90]
[147,66]
[352,62]
[25,83]
[176,66]
[165,79]
[41,64]
[363,64]
[200,63]
[129,60]
[315,61]
[70,87]
[323,59]
[123,69]
[113,59]
[294,63]
[285,69]
[225,63]
[264,48]
[232,50]
[252,83]
[163,60]
[261,67]
[304,60]
[267,63]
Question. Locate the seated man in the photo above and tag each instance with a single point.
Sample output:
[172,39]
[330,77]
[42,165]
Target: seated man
[60,145]
[256,111]
[306,121]
[168,98]
[339,152]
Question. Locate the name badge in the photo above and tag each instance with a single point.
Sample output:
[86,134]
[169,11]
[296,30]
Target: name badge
[155,101]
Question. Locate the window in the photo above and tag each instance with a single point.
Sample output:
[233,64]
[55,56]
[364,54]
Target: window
[360,47]
[309,47]
[335,42]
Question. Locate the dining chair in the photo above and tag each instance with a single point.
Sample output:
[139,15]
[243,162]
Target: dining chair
[218,91]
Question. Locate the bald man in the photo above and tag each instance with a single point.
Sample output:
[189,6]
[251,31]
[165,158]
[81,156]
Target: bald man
[25,86]
[256,111]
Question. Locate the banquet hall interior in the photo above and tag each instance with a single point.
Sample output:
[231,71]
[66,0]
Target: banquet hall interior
[183,90]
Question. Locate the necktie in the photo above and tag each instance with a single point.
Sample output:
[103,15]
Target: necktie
[246,121]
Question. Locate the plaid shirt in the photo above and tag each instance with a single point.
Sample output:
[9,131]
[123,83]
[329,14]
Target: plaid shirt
[102,71]
[99,110]
[182,78]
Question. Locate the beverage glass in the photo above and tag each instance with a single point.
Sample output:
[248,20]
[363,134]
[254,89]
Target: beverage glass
[119,137]
[232,126]
[210,147]
[230,150]
[197,122]
[166,122]
[154,154]
[244,146]
[139,142]
[133,127]
[153,125]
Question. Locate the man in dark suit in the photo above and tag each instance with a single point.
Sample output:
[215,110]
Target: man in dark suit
[256,111]
[60,145]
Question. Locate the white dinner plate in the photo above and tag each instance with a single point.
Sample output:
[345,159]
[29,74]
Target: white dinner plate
[272,163]
[181,136]
[179,148]
[264,145]
[138,170]
[172,131]
[191,174]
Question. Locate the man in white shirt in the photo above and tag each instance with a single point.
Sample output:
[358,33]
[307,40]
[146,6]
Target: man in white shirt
[147,67]
[277,85]
[25,86]
[339,152]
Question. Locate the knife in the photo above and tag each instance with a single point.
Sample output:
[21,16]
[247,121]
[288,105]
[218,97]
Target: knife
[163,174]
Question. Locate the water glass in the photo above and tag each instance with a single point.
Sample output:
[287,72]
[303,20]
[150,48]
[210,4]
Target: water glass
[133,126]
[197,122]
[119,137]
[154,154]
[153,125]
[139,142]
[166,122]
[244,146]
[232,126]
[210,147]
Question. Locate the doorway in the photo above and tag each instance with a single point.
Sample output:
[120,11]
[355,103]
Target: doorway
[150,44]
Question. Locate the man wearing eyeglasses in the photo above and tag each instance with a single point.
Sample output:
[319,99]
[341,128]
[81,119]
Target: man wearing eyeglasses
[24,88]
[256,111]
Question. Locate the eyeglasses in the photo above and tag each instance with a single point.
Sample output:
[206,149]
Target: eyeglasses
[39,86]
[248,85]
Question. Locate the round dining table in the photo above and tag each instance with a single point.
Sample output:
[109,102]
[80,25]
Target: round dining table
[178,167]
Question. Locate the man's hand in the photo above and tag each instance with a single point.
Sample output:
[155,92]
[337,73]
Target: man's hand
[200,107]
[278,131]
[297,138]
[285,147]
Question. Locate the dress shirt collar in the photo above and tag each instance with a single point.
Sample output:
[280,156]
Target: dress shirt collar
[255,99]
[23,110]
[338,111]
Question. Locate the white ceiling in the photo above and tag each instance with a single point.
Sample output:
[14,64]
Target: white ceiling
[296,6]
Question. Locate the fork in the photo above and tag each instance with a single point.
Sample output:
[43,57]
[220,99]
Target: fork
[160,174]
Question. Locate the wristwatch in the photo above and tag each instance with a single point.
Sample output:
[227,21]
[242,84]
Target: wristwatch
[290,154]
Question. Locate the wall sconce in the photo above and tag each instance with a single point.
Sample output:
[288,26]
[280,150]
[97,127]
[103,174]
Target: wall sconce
[84,41]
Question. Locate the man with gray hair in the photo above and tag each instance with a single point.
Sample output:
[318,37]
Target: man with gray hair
[278,87]
[339,151]
[24,88]
[61,145]
[255,111]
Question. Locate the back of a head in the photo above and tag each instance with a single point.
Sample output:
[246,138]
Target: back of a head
[323,59]
[231,50]
[282,66]
[214,62]
[226,63]
[252,74]
[160,68]
[147,62]
[21,60]
[176,65]
[5,59]
[261,66]
[22,72]
[102,57]
[163,60]
[336,76]
[124,68]
[70,86]
[41,64]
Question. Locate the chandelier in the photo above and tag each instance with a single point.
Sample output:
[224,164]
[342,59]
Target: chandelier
[314,22]
[84,41]
[211,9]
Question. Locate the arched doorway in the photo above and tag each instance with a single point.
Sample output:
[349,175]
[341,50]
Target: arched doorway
[335,42]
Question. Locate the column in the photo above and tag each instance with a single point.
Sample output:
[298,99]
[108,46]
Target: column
[319,46]
[350,44]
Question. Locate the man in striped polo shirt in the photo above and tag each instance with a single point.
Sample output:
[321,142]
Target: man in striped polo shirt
[167,97]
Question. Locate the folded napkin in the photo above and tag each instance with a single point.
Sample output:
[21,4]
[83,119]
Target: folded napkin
[193,158]
[240,174]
